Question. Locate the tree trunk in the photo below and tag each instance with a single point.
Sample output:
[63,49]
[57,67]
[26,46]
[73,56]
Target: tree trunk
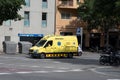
[107,39]
[1,22]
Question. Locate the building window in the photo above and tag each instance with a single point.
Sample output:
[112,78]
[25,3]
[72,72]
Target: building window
[66,33]
[26,18]
[27,3]
[7,23]
[67,2]
[44,4]
[65,15]
[7,38]
[44,19]
[78,0]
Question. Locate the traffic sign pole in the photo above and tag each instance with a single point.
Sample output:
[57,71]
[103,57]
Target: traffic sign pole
[79,32]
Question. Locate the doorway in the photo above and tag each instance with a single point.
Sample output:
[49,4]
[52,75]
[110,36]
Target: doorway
[95,41]
[114,39]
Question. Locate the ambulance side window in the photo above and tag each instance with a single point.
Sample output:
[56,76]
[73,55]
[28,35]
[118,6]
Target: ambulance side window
[49,43]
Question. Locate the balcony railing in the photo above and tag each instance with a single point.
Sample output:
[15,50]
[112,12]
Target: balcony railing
[67,4]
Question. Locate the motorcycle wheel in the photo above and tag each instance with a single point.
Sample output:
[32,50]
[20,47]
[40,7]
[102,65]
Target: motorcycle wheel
[102,60]
[115,63]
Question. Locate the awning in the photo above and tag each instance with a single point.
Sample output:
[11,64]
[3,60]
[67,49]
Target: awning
[30,35]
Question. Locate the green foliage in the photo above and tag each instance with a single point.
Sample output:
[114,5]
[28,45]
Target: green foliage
[103,13]
[86,12]
[9,9]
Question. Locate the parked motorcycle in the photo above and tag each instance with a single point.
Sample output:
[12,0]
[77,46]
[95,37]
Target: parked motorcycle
[110,57]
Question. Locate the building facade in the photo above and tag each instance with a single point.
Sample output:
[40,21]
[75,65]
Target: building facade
[66,16]
[68,22]
[60,17]
[39,19]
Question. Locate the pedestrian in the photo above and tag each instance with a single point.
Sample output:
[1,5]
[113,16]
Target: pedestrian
[79,50]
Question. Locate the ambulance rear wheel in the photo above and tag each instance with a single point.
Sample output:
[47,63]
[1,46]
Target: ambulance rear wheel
[42,56]
[79,53]
[70,55]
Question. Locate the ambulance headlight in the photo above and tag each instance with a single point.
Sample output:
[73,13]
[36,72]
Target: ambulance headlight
[35,51]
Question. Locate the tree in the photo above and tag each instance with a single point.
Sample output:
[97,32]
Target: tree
[9,9]
[100,13]
[86,12]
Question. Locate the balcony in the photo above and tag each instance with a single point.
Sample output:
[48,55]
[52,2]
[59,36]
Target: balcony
[70,4]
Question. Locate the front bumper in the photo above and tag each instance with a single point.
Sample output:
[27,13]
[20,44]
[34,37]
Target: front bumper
[33,54]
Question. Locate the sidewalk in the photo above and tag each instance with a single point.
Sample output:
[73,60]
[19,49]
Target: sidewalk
[1,52]
[89,52]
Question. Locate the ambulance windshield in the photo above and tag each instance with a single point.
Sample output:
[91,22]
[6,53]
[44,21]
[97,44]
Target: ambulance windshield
[40,43]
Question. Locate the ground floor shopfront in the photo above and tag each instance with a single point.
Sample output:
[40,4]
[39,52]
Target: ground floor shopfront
[99,40]
[94,39]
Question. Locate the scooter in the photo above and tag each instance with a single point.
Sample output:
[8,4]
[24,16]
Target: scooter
[109,57]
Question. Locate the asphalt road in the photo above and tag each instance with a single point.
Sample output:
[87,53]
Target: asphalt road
[85,67]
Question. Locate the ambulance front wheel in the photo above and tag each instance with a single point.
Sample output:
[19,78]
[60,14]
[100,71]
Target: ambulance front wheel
[42,56]
[32,56]
[70,55]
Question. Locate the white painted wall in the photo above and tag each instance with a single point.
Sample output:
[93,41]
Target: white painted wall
[35,22]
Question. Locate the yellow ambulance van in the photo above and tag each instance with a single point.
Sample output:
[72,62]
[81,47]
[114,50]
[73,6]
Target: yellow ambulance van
[55,46]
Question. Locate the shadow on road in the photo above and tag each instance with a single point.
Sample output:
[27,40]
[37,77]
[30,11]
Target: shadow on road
[78,61]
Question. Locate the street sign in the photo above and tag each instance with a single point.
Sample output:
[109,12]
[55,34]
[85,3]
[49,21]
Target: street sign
[79,31]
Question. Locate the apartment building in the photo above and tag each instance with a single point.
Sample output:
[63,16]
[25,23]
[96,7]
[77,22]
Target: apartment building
[67,19]
[39,18]
[68,22]
[67,16]
[60,17]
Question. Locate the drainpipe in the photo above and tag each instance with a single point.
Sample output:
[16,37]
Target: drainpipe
[55,18]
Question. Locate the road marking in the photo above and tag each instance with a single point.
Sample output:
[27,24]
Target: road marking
[34,66]
[5,73]
[59,71]
[113,79]
[49,67]
[23,72]
[41,71]
[103,73]
[1,63]
[29,72]
[94,70]
[63,68]
[56,62]
[21,58]
[76,70]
